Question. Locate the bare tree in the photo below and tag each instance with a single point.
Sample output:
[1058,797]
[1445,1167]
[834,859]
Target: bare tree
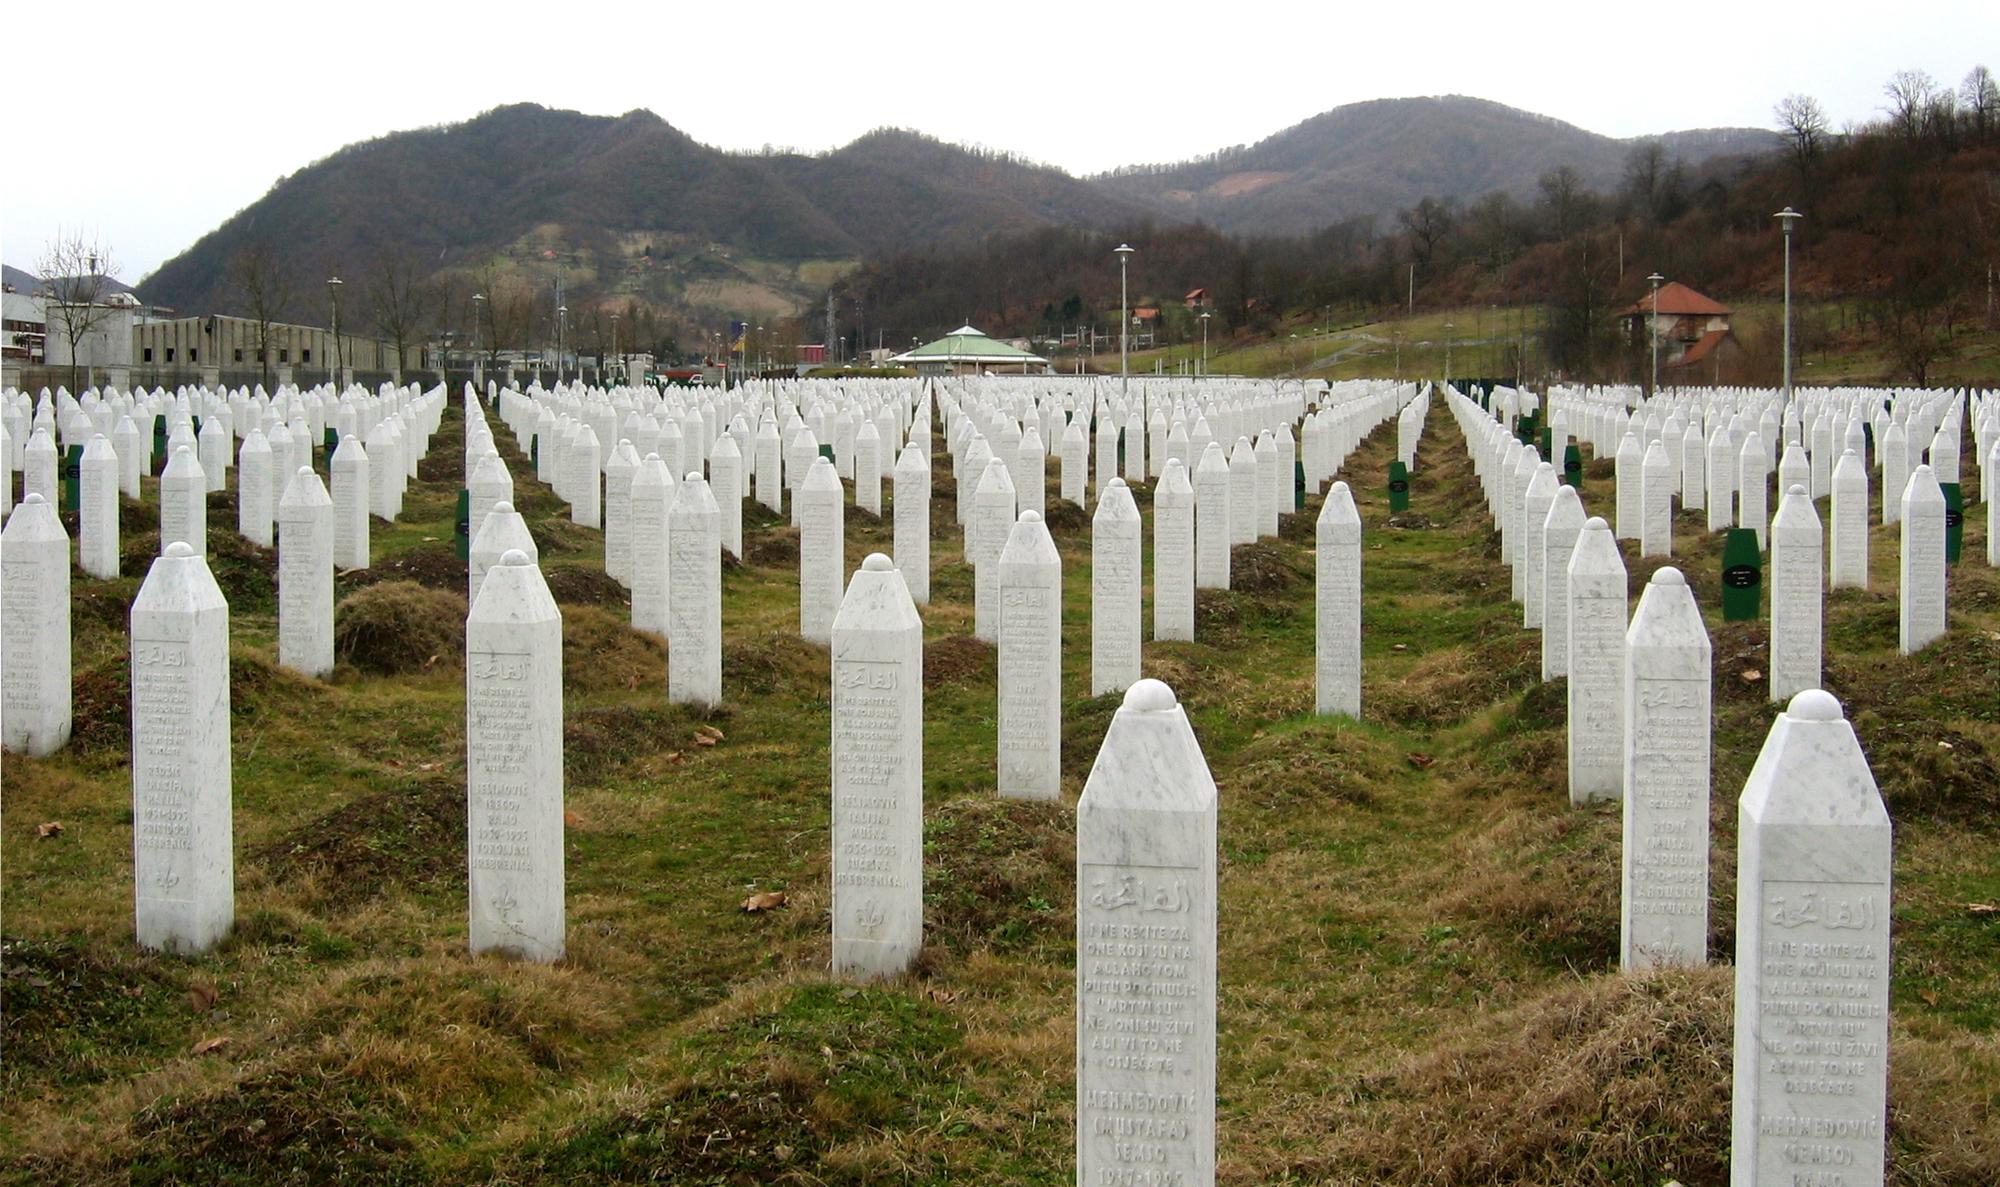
[1979,99]
[1428,223]
[76,277]
[1655,185]
[267,288]
[1909,93]
[397,296]
[1802,122]
[1564,197]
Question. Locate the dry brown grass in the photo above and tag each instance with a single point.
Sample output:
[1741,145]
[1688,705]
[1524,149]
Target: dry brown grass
[1612,1081]
[395,627]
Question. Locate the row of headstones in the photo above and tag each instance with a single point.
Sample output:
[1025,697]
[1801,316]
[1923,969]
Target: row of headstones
[1812,959]
[1903,423]
[317,533]
[818,506]
[1540,517]
[198,461]
[1803,440]
[1146,873]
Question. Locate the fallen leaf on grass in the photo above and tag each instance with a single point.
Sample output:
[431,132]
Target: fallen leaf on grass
[941,996]
[1983,908]
[766,901]
[207,1045]
[202,998]
[707,735]
[52,828]
[1420,761]
[571,819]
[1929,996]
[1752,675]
[676,756]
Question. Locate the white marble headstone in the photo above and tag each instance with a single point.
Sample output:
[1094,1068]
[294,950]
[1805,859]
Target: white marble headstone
[514,764]
[1809,1096]
[1030,636]
[184,871]
[1663,918]
[1146,951]
[878,766]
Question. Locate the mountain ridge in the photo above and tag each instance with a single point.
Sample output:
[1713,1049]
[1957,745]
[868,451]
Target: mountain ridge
[651,212]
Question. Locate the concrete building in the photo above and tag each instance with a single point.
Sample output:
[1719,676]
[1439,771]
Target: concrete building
[203,349]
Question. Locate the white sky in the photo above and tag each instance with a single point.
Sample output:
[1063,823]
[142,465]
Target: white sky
[195,112]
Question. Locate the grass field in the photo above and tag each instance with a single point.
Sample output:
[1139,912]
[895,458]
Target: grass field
[1418,934]
[1834,347]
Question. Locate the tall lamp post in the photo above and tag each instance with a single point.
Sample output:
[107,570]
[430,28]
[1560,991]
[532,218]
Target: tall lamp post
[1447,354]
[1204,343]
[1786,218]
[478,372]
[1656,278]
[615,360]
[333,293]
[1124,252]
[562,322]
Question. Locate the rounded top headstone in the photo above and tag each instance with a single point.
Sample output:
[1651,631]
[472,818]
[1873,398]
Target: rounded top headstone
[1150,696]
[503,507]
[1668,575]
[1814,704]
[693,476]
[1031,517]
[877,563]
[1114,482]
[305,469]
[514,556]
[180,548]
[1796,489]
[1596,524]
[34,498]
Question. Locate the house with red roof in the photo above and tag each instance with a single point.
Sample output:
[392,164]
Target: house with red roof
[1692,328]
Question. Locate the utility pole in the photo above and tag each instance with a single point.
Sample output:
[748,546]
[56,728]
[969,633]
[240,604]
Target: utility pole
[835,360]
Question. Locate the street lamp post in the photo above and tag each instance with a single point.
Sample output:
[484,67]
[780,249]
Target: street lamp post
[562,322]
[1204,343]
[478,372]
[1656,278]
[1447,354]
[333,292]
[616,361]
[1786,218]
[1124,252]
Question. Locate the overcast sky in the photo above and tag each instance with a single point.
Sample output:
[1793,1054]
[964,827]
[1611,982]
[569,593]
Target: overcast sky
[190,115]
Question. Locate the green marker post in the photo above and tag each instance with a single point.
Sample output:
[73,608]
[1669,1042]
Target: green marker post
[72,478]
[1573,466]
[1954,521]
[462,528]
[1742,576]
[1399,487]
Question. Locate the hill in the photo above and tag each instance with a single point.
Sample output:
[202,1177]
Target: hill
[1369,160]
[643,210]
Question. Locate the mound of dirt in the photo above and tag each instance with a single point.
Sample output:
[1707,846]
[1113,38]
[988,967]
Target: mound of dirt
[393,627]
[584,585]
[1627,1076]
[959,659]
